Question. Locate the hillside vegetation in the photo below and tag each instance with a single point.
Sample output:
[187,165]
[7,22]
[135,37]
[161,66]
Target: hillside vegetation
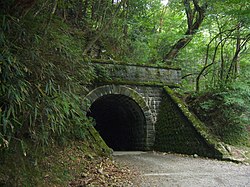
[45,50]
[43,78]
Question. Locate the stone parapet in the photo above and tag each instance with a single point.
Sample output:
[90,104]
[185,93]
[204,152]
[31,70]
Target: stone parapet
[137,73]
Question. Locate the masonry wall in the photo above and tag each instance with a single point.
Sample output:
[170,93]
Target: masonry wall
[137,73]
[152,96]
[170,127]
[175,133]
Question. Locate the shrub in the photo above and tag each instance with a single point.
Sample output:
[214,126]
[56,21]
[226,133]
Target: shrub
[226,111]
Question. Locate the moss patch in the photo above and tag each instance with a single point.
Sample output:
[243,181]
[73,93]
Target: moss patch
[104,61]
[178,130]
[151,84]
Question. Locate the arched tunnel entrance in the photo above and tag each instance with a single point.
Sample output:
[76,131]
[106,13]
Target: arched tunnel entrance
[120,122]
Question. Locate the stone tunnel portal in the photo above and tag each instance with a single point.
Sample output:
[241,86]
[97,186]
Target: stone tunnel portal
[120,122]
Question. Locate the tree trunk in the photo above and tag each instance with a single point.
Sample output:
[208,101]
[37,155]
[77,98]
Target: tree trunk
[99,34]
[175,49]
[195,17]
[233,69]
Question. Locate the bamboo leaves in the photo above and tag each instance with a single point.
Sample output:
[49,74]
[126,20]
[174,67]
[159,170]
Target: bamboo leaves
[41,79]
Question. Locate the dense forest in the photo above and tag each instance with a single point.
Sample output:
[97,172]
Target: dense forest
[47,46]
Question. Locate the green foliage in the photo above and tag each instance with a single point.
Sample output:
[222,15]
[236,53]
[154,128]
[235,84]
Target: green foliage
[101,73]
[226,112]
[42,80]
[43,71]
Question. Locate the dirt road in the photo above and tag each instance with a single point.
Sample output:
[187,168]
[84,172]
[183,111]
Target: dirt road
[170,170]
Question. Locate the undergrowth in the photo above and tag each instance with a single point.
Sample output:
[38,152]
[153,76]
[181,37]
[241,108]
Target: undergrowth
[43,75]
[43,78]
[56,165]
[226,111]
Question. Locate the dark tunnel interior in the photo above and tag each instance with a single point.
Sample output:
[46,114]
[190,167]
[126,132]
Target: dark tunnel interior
[120,122]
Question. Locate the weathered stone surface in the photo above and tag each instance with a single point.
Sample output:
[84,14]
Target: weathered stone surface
[165,118]
[137,73]
[140,95]
[178,130]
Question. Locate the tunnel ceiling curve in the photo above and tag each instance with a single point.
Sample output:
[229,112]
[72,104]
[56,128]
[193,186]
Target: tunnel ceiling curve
[120,122]
[122,117]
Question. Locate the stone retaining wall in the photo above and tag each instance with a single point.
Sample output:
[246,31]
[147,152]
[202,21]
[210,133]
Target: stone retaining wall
[179,131]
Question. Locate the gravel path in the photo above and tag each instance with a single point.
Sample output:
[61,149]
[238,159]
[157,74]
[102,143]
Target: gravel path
[163,170]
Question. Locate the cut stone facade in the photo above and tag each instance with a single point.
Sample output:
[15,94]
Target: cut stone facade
[147,98]
[138,73]
[131,107]
[143,84]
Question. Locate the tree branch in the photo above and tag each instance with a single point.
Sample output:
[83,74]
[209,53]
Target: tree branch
[193,23]
[107,25]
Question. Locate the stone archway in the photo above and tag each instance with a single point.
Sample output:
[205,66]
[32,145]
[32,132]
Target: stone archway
[122,117]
